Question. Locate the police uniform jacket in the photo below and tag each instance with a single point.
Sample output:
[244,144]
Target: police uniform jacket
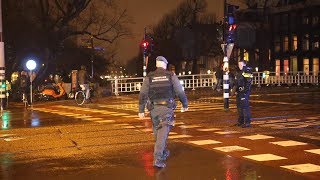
[161,85]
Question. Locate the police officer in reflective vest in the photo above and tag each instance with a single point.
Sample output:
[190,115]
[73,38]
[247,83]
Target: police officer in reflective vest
[157,93]
[243,83]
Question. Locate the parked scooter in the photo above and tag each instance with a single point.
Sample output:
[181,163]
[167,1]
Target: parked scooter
[52,92]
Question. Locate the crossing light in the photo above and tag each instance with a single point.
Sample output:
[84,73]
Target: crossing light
[145,45]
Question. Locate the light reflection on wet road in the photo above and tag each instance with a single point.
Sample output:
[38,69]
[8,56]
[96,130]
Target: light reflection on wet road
[108,141]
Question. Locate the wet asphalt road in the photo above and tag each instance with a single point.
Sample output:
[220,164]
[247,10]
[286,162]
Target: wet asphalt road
[105,140]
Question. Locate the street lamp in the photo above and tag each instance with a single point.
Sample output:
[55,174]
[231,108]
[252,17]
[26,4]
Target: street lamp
[31,65]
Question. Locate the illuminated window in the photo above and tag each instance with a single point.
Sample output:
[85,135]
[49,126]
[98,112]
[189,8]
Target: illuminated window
[286,43]
[277,44]
[294,42]
[294,64]
[286,66]
[305,42]
[315,66]
[277,67]
[246,56]
[306,66]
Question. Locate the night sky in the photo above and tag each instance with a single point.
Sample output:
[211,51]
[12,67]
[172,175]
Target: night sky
[146,13]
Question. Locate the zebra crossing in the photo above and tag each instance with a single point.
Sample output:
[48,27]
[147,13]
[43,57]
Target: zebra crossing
[259,148]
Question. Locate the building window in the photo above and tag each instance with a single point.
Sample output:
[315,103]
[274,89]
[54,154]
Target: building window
[286,44]
[315,43]
[294,42]
[286,66]
[315,66]
[305,42]
[246,56]
[315,20]
[277,67]
[294,64]
[277,44]
[306,66]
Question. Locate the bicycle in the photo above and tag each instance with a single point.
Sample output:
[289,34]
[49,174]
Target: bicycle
[80,95]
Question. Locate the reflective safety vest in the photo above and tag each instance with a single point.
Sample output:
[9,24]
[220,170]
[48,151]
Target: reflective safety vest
[161,87]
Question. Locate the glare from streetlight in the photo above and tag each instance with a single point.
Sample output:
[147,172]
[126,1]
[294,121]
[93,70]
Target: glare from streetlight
[31,64]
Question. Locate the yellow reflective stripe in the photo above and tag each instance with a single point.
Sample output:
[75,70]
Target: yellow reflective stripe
[247,75]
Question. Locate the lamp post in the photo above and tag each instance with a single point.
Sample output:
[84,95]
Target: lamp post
[31,65]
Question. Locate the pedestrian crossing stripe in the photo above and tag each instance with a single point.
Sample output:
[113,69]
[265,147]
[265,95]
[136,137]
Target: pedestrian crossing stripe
[303,168]
[93,119]
[315,151]
[288,143]
[189,126]
[105,121]
[123,124]
[226,132]
[204,142]
[128,127]
[231,148]
[257,137]
[209,129]
[264,157]
[179,136]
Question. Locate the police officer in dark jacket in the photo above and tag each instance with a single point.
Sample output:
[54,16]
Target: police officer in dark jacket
[243,83]
[158,92]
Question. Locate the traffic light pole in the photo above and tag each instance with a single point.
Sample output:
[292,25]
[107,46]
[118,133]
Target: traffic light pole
[225,61]
[2,64]
[144,66]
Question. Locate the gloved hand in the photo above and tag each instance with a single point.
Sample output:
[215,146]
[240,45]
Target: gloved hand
[141,115]
[184,109]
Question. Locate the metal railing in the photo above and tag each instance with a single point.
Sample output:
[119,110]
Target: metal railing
[130,85]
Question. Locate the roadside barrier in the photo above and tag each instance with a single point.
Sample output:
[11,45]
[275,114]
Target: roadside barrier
[130,85]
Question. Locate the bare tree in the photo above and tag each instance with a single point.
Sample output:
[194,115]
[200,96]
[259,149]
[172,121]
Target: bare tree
[49,24]
[187,32]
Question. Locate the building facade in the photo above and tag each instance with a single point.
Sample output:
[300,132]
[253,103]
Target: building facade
[295,31]
[286,37]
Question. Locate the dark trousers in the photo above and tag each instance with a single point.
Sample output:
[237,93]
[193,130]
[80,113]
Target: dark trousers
[243,108]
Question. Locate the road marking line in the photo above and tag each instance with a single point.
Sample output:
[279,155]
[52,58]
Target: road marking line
[93,119]
[264,157]
[6,135]
[257,137]
[209,129]
[226,132]
[204,142]
[123,124]
[188,126]
[147,130]
[288,143]
[128,127]
[105,121]
[13,139]
[315,151]
[179,136]
[231,148]
[303,168]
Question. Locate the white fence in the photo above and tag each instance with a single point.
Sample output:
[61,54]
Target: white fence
[129,85]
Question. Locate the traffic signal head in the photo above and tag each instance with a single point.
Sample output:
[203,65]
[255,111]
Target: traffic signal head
[145,44]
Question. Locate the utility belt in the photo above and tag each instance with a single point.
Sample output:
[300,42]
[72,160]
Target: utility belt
[168,103]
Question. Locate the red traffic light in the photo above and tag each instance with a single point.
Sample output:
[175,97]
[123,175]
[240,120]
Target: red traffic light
[145,44]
